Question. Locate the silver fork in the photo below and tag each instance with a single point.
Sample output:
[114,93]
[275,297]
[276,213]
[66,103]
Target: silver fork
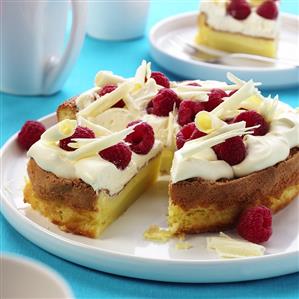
[206,54]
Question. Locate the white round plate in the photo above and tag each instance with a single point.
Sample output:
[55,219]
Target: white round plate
[25,278]
[165,51]
[122,249]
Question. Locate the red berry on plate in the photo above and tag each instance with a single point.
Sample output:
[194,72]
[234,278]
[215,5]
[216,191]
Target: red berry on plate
[30,133]
[252,118]
[119,154]
[141,141]
[80,132]
[163,102]
[268,10]
[239,9]
[232,150]
[160,79]
[107,89]
[255,224]
[215,98]
[187,111]
[187,132]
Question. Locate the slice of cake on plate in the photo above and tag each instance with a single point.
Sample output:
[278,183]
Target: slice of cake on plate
[239,26]
[249,157]
[83,181]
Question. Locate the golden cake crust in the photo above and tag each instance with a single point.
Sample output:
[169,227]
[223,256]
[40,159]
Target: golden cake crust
[67,110]
[73,193]
[220,203]
[245,190]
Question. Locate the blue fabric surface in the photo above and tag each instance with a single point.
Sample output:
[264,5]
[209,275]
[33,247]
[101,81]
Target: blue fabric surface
[123,58]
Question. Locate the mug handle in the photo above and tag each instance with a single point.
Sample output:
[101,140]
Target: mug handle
[57,69]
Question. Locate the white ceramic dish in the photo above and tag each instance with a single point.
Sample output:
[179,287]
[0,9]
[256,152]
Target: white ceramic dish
[122,249]
[165,52]
[26,278]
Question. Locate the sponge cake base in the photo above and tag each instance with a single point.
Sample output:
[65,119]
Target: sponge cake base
[198,206]
[89,219]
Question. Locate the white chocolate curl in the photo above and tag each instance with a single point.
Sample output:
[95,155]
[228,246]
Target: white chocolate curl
[105,102]
[192,147]
[227,247]
[91,147]
[106,77]
[61,130]
[234,101]
[207,122]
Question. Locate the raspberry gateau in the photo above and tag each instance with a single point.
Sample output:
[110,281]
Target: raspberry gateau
[239,26]
[228,148]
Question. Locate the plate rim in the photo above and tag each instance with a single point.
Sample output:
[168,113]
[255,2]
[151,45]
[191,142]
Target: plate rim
[7,207]
[221,67]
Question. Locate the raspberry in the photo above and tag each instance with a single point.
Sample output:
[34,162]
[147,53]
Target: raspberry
[194,84]
[107,89]
[232,150]
[252,118]
[30,133]
[255,224]
[232,92]
[160,79]
[119,154]
[163,102]
[80,132]
[187,132]
[239,9]
[215,98]
[268,10]
[142,139]
[187,111]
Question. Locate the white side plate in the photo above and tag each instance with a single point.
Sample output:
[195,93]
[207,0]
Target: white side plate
[122,249]
[164,49]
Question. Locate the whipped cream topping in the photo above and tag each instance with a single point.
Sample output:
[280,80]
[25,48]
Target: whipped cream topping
[98,114]
[93,170]
[262,151]
[204,165]
[254,25]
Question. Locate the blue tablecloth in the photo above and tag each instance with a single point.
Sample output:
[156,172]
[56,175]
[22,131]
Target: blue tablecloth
[123,58]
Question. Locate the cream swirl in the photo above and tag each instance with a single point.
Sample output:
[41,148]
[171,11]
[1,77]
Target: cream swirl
[204,165]
[262,152]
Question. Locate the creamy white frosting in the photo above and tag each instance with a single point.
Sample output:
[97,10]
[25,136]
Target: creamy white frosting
[253,25]
[204,165]
[94,170]
[261,151]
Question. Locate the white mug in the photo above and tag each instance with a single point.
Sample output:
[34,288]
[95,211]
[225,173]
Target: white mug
[117,19]
[33,58]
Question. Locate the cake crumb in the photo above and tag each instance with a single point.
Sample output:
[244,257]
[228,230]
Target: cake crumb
[157,234]
[183,245]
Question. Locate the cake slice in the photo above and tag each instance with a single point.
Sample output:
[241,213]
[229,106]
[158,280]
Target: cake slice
[83,182]
[246,160]
[239,26]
